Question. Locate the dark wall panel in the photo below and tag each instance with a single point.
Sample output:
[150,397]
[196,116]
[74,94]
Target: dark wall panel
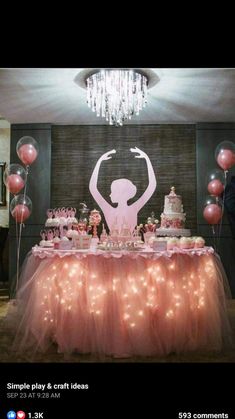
[171,148]
[38,190]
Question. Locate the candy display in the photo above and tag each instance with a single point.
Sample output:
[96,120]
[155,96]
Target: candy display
[147,230]
[83,226]
[152,224]
[94,221]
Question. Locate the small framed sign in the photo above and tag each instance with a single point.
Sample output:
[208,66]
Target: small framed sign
[2,186]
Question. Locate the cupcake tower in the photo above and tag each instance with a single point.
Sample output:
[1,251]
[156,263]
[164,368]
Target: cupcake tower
[64,231]
[60,228]
[61,217]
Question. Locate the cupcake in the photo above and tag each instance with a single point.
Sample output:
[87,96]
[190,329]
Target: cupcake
[193,241]
[65,243]
[185,243]
[69,234]
[56,242]
[55,222]
[48,243]
[49,222]
[43,243]
[63,221]
[65,239]
[74,234]
[172,242]
[199,242]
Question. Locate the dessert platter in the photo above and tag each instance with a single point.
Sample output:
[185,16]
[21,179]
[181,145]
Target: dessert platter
[63,231]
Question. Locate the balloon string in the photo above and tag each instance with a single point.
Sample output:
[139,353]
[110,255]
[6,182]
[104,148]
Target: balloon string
[20,233]
[214,238]
[17,246]
[223,201]
[25,187]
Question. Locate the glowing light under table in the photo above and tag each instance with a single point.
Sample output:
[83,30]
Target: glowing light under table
[125,304]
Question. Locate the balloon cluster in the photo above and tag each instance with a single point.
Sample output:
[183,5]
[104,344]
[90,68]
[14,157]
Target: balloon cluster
[216,182]
[15,178]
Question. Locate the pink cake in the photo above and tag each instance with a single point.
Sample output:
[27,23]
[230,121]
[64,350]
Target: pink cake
[173,217]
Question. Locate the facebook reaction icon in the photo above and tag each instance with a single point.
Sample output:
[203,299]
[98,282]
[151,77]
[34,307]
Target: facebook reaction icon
[11,414]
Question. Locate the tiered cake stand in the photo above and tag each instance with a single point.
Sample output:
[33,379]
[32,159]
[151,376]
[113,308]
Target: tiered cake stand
[173,232]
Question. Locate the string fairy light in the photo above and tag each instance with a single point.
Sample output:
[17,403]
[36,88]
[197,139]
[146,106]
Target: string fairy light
[155,287]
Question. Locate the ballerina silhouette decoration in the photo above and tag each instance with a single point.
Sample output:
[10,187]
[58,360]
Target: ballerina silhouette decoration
[121,191]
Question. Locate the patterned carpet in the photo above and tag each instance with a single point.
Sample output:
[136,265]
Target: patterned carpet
[6,355]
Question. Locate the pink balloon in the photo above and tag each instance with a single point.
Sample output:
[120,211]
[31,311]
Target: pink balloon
[226,159]
[215,187]
[14,183]
[20,213]
[27,154]
[212,213]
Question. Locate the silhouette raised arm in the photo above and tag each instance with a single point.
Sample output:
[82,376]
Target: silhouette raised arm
[103,204]
[152,179]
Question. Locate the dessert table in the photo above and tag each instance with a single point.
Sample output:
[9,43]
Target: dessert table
[123,303]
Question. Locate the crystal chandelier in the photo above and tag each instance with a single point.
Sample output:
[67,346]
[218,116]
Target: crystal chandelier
[116,95]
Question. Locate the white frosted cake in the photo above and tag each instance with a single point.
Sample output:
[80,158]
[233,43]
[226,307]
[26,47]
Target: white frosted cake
[173,217]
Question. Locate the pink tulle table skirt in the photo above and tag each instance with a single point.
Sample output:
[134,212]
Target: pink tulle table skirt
[123,303]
